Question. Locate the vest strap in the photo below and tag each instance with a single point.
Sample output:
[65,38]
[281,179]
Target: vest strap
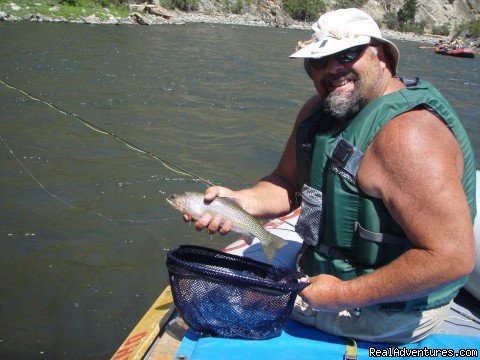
[335,253]
[351,352]
[378,237]
[346,156]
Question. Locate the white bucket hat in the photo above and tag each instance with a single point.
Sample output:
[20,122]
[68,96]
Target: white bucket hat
[342,29]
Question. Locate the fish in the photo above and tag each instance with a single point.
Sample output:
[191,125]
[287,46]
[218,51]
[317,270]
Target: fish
[194,204]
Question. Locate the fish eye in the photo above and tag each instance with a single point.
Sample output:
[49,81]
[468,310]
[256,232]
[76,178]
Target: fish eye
[172,197]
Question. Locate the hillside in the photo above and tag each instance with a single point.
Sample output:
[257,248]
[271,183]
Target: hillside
[434,13]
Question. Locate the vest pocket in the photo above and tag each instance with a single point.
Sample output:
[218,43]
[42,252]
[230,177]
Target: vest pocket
[310,221]
[377,249]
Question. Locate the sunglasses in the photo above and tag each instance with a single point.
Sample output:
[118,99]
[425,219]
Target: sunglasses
[343,57]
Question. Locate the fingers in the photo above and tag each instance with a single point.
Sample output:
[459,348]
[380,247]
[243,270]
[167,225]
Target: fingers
[220,191]
[213,224]
[203,222]
[212,192]
[226,228]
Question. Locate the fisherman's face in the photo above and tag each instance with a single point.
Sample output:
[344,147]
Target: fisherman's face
[349,87]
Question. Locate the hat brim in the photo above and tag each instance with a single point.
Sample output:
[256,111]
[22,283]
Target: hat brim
[328,46]
[393,53]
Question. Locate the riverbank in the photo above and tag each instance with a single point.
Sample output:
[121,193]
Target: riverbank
[156,15]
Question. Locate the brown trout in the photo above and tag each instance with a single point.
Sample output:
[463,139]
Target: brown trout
[193,204]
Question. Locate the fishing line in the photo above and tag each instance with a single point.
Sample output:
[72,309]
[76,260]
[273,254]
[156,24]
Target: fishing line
[75,207]
[169,165]
[166,163]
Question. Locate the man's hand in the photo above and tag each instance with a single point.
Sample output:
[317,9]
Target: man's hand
[325,293]
[207,221]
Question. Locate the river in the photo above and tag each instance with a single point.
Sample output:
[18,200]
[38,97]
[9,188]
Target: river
[84,225]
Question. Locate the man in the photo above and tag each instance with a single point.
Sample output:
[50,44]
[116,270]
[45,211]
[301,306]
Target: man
[388,190]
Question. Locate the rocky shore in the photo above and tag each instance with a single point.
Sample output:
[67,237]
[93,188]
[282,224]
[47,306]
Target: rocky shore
[156,15]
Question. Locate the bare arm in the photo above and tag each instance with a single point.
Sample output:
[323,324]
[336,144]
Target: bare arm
[415,166]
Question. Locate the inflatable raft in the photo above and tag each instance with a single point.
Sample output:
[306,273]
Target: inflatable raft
[459,52]
[162,334]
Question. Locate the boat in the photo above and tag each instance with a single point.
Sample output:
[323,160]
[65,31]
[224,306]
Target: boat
[162,333]
[458,52]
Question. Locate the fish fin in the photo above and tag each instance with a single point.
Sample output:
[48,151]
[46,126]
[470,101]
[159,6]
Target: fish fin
[270,248]
[248,238]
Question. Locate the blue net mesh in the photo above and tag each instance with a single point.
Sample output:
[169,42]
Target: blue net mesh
[225,295]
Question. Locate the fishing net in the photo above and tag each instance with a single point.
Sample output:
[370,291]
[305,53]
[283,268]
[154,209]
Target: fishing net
[225,295]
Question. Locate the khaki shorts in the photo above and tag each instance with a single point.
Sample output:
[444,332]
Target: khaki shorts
[387,326]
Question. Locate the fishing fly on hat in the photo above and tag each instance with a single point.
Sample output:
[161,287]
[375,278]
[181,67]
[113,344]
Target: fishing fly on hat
[341,29]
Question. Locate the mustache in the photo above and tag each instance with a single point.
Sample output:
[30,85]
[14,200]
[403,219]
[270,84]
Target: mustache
[347,75]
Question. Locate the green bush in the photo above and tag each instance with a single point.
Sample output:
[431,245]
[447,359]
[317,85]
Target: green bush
[186,5]
[419,27]
[404,19]
[183,5]
[87,3]
[390,20]
[407,13]
[238,7]
[68,2]
[443,30]
[235,7]
[70,9]
[304,10]
[415,27]
[472,27]
[344,4]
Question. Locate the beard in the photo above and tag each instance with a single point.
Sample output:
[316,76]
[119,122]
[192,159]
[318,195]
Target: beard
[345,105]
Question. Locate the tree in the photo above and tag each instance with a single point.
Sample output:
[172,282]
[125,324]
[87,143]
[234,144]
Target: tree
[306,10]
[407,13]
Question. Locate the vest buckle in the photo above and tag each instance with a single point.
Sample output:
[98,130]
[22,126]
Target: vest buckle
[343,152]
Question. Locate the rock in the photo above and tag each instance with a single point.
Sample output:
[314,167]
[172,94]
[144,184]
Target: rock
[111,21]
[14,7]
[157,10]
[92,19]
[42,18]
[27,17]
[139,19]
[126,21]
[137,7]
[54,8]
[3,16]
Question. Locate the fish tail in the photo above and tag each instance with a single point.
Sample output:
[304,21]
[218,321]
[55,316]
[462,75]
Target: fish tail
[271,246]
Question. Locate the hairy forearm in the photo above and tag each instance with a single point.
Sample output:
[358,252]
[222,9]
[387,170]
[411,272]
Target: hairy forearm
[272,196]
[416,273]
